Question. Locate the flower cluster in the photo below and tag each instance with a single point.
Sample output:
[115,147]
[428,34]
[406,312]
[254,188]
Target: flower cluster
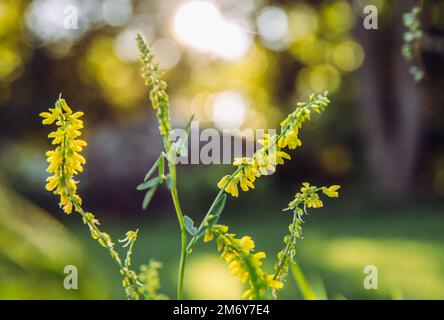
[65,160]
[308,197]
[158,96]
[265,160]
[243,262]
[150,281]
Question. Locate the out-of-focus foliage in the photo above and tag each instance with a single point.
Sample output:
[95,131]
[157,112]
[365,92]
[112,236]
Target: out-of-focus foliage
[13,53]
[245,68]
[34,250]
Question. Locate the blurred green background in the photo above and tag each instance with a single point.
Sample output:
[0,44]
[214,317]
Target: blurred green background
[234,64]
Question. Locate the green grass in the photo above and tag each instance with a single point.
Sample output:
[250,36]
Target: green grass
[408,250]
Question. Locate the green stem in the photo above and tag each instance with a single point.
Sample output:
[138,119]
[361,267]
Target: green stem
[93,227]
[287,249]
[183,231]
[114,255]
[210,210]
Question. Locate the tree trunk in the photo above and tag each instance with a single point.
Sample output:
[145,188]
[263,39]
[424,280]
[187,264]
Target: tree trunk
[389,109]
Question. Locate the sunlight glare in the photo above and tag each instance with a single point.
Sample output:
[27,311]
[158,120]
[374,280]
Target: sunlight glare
[200,25]
[229,110]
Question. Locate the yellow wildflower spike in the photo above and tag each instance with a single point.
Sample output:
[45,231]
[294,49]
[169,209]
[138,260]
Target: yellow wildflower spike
[64,161]
[244,264]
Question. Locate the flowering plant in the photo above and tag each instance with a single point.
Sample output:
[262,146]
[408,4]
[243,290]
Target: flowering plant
[65,162]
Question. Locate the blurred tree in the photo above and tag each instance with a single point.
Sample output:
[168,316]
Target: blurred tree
[389,106]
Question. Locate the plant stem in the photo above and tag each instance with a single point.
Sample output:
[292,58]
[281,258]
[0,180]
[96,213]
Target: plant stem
[115,256]
[183,231]
[202,224]
[287,249]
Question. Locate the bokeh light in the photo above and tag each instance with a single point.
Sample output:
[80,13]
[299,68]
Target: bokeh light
[10,61]
[272,23]
[117,12]
[318,78]
[348,56]
[102,67]
[167,52]
[208,271]
[200,25]
[303,21]
[229,110]
[338,16]
[124,45]
[336,159]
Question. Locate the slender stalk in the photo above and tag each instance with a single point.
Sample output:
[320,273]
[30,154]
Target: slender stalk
[183,231]
[160,101]
[115,256]
[287,250]
[202,224]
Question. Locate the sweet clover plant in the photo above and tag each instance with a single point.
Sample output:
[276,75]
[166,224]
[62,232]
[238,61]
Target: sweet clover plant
[240,254]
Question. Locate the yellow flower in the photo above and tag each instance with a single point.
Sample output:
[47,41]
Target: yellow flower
[246,244]
[279,156]
[290,139]
[251,171]
[208,236]
[64,161]
[245,183]
[314,203]
[222,181]
[239,161]
[244,263]
[275,284]
[268,140]
[265,160]
[232,189]
[331,191]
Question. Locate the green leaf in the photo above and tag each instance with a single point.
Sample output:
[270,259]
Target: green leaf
[151,171]
[172,152]
[149,184]
[169,181]
[215,212]
[188,127]
[302,283]
[161,165]
[189,225]
[179,148]
[148,196]
[219,206]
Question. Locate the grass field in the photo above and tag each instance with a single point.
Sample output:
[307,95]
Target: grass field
[407,249]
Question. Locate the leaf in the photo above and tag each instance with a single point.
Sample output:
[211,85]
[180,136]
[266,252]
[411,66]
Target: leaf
[161,164]
[215,212]
[188,127]
[179,148]
[169,181]
[151,171]
[189,225]
[149,184]
[219,206]
[302,283]
[172,152]
[148,196]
